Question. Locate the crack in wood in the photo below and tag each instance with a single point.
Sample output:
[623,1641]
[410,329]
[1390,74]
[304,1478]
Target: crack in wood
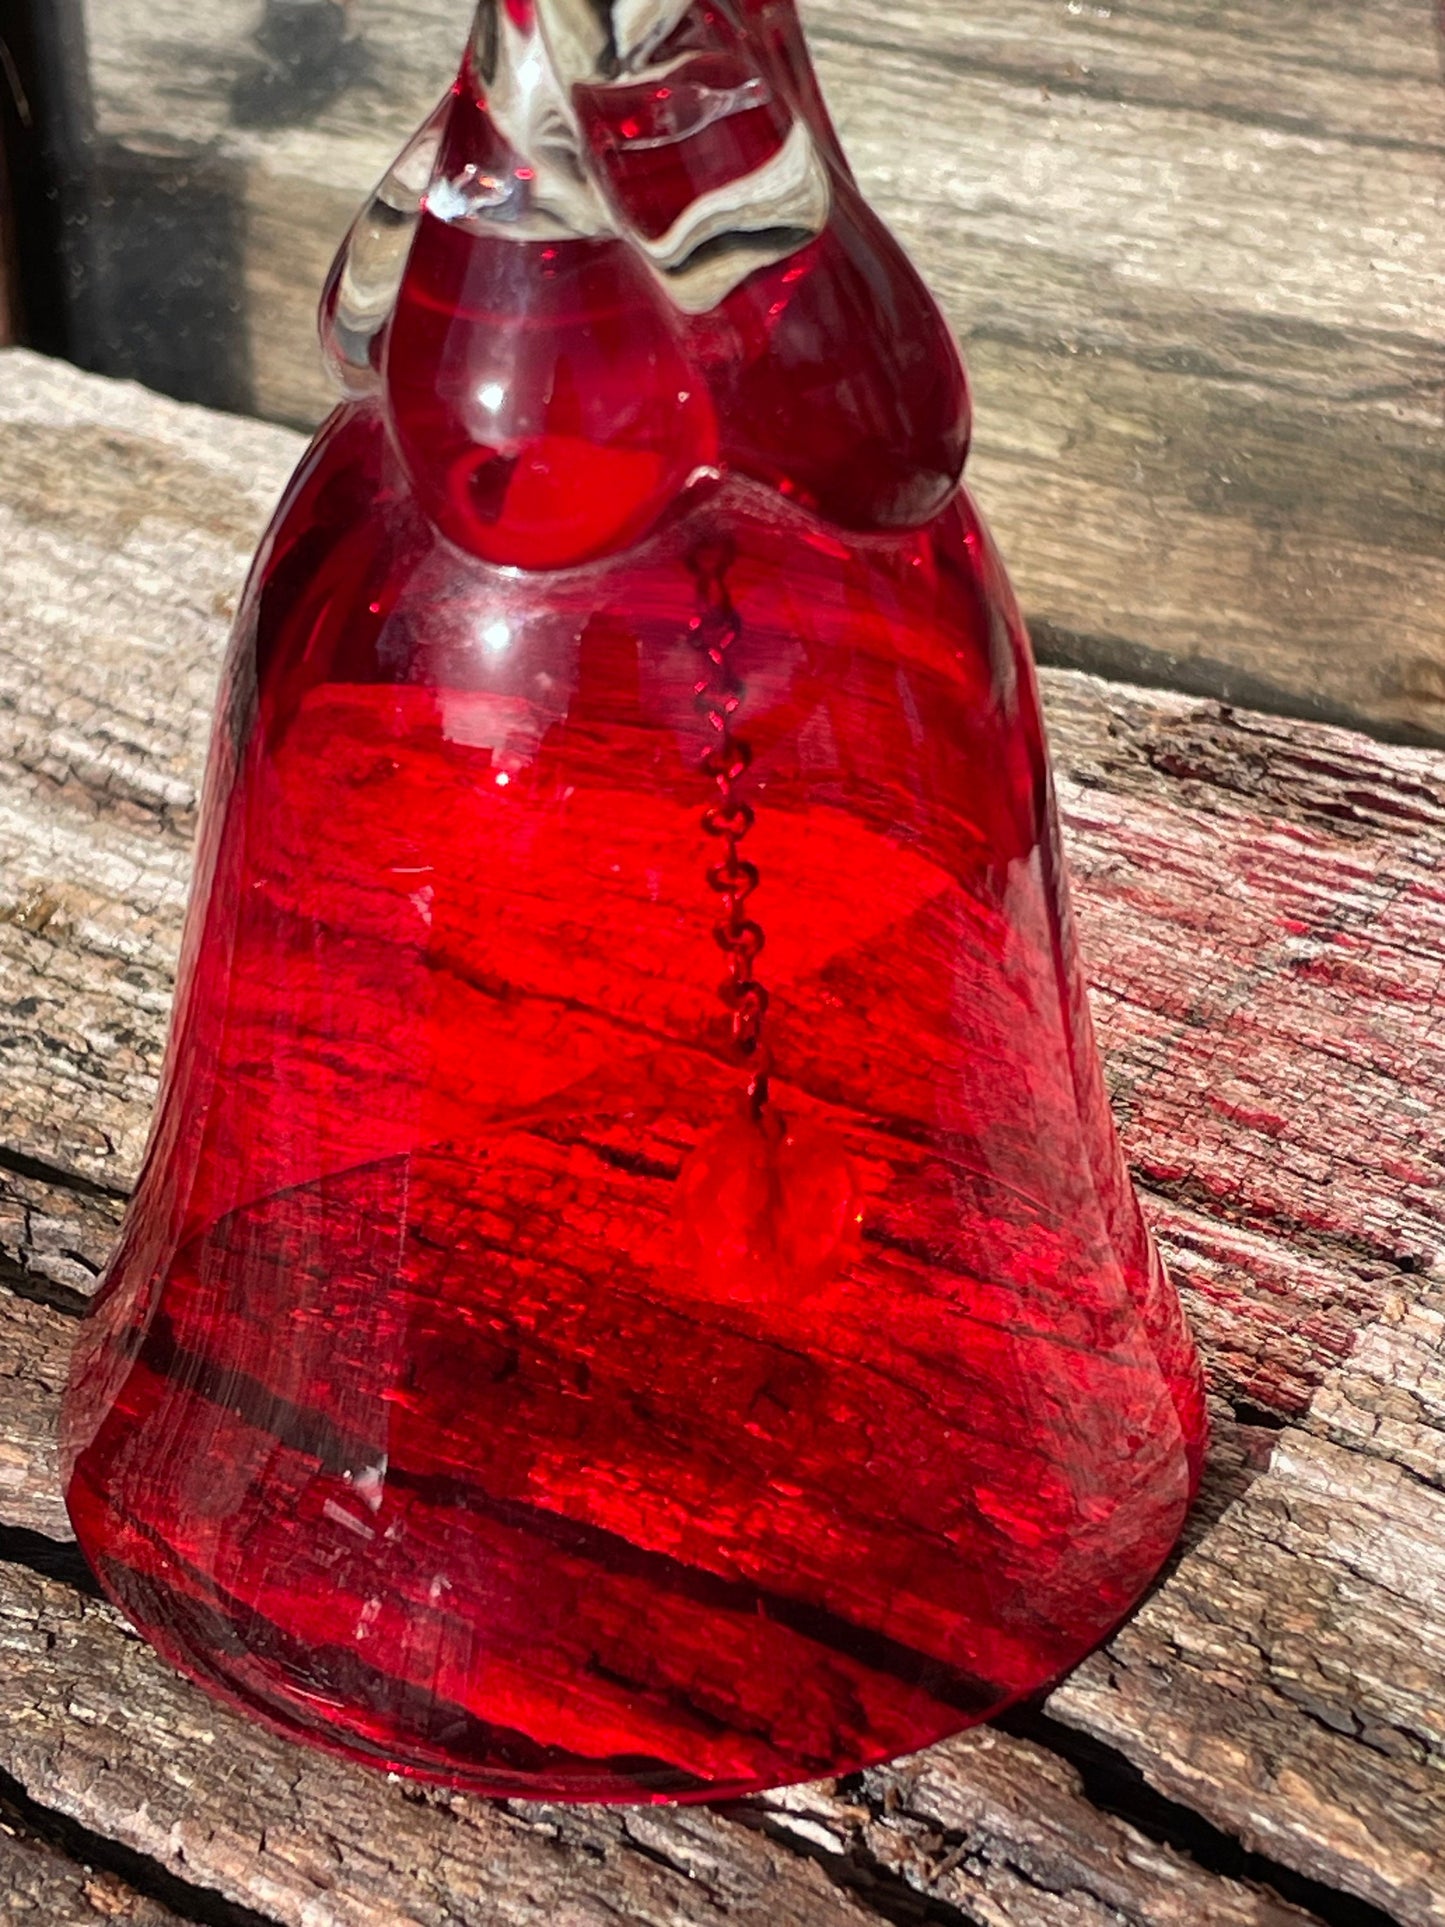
[22,1165]
[1115,1785]
[1259,1416]
[1327,1244]
[859,1874]
[142,1875]
[50,1558]
[37,1290]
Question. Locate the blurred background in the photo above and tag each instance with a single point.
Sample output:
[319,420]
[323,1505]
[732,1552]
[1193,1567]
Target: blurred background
[1194,251]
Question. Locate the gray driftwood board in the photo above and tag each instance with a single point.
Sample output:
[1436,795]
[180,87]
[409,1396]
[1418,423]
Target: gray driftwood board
[1263,904]
[1195,253]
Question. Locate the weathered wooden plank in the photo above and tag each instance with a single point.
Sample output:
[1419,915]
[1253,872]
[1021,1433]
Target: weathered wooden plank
[1265,1014]
[1191,471]
[1194,253]
[1331,68]
[42,1888]
[97,1728]
[1292,1668]
[1285,1682]
[103,523]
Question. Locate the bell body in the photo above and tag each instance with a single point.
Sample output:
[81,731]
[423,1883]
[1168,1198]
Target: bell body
[633,1292]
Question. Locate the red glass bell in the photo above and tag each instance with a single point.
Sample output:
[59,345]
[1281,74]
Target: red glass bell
[633,1291]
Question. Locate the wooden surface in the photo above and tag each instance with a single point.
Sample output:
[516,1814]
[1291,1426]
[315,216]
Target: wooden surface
[1263,908]
[1195,253]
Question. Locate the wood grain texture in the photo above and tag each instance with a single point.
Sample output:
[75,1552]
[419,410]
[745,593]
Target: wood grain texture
[1262,907]
[34,1357]
[1194,252]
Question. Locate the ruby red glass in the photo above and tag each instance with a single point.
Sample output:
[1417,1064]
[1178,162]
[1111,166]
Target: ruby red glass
[633,1292]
